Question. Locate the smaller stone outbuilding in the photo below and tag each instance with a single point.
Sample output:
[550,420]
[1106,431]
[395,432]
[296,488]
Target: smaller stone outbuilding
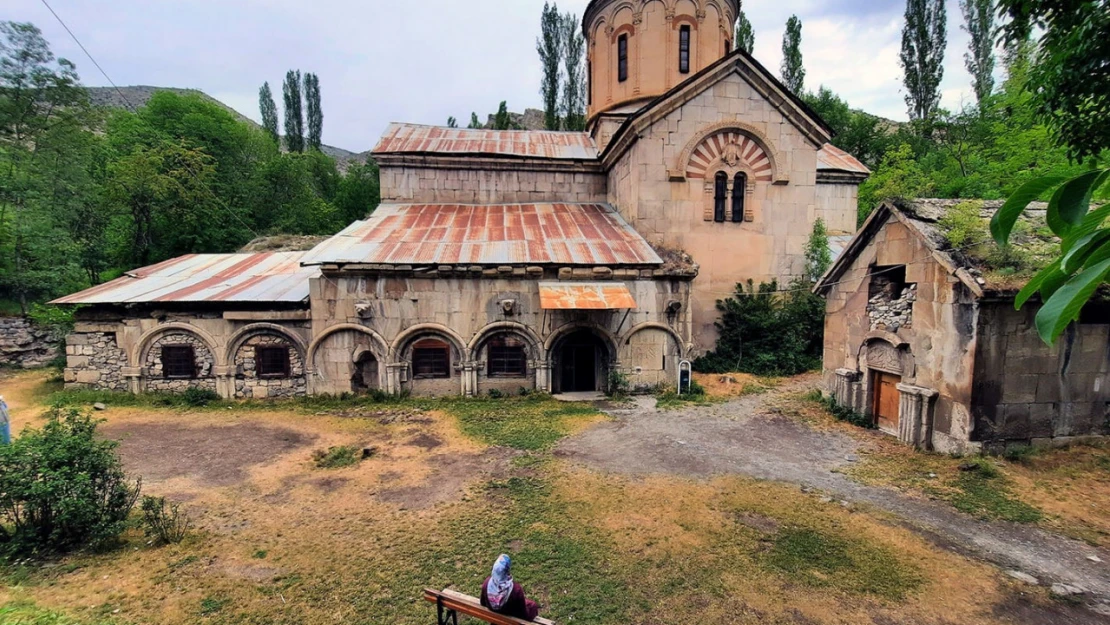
[923,336]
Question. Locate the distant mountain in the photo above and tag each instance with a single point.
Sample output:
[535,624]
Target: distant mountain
[137,95]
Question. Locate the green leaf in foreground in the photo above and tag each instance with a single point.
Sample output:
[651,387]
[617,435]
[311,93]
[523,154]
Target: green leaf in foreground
[1034,285]
[1072,201]
[1064,305]
[1002,224]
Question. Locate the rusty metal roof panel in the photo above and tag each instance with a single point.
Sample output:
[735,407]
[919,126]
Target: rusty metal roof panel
[545,144]
[242,278]
[499,234]
[832,158]
[585,296]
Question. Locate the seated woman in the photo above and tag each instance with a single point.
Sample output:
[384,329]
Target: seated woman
[504,596]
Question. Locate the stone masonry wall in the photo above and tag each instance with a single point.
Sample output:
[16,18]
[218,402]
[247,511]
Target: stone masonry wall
[24,345]
[152,365]
[1026,391]
[249,385]
[891,314]
[94,361]
[410,184]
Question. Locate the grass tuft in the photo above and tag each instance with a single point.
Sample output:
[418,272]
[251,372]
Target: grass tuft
[337,457]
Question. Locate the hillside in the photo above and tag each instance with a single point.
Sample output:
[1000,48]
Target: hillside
[138,95]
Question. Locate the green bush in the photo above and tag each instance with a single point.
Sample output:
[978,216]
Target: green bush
[62,488]
[619,384]
[166,524]
[336,457]
[495,394]
[764,332]
[199,398]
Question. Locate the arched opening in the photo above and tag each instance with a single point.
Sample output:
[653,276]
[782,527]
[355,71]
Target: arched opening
[739,189]
[720,194]
[885,368]
[365,376]
[581,363]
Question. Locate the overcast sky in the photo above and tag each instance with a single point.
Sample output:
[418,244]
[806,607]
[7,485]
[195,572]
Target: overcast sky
[381,61]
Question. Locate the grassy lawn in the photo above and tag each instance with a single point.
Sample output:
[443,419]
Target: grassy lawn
[448,486]
[1063,490]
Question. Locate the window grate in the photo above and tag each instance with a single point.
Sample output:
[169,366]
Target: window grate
[622,58]
[179,362]
[507,359]
[739,189]
[720,195]
[272,362]
[431,359]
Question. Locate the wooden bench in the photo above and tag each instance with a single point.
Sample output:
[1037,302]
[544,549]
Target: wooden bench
[449,604]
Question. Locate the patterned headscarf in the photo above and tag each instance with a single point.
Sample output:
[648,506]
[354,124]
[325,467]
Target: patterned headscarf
[500,584]
[5,424]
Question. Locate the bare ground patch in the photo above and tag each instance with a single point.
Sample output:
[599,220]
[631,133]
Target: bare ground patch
[216,455]
[449,478]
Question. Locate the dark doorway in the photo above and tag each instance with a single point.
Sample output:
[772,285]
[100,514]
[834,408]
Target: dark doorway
[581,363]
[365,377]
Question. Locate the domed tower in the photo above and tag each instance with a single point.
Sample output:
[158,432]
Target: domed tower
[638,49]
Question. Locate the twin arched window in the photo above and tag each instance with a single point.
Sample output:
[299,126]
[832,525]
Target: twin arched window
[720,197]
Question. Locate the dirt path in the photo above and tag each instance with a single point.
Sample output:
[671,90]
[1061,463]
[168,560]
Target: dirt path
[745,437]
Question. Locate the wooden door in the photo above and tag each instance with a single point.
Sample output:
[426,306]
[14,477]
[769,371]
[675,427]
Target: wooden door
[886,400]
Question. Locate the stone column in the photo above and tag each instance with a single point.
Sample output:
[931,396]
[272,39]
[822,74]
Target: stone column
[134,377]
[469,379]
[543,375]
[225,382]
[842,390]
[915,415]
[396,375]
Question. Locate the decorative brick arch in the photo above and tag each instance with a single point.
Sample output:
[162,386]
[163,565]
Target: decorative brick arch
[683,347]
[376,338]
[242,336]
[535,345]
[405,338]
[138,354]
[734,142]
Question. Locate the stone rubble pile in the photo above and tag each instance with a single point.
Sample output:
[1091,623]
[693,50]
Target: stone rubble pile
[892,315]
[24,345]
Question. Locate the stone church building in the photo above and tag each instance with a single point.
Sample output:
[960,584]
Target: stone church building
[502,260]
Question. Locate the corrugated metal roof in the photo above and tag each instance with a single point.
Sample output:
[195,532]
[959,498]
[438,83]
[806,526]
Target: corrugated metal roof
[498,234]
[585,296]
[832,158]
[263,277]
[416,139]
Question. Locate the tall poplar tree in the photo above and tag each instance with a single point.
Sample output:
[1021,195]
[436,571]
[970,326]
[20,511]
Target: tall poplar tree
[269,112]
[793,73]
[475,123]
[294,119]
[549,45]
[745,34]
[502,120]
[924,38]
[979,58]
[314,111]
[574,85]
[452,122]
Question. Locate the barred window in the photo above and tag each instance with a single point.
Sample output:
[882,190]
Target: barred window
[507,358]
[431,358]
[272,362]
[720,196]
[684,49]
[622,58]
[739,187]
[179,362]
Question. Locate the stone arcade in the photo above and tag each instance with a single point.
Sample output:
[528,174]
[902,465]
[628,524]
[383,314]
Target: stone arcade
[512,259]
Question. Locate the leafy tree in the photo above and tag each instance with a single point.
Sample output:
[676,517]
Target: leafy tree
[452,122]
[42,106]
[475,123]
[924,38]
[359,192]
[549,45]
[294,118]
[745,34]
[765,332]
[860,134]
[502,120]
[62,488]
[979,58]
[269,112]
[1069,83]
[818,255]
[793,72]
[899,175]
[574,83]
[314,111]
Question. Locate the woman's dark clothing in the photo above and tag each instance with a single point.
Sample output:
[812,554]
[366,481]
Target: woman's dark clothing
[517,605]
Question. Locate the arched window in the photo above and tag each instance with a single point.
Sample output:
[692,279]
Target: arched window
[720,195]
[622,58]
[684,49]
[739,187]
[431,358]
[506,357]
